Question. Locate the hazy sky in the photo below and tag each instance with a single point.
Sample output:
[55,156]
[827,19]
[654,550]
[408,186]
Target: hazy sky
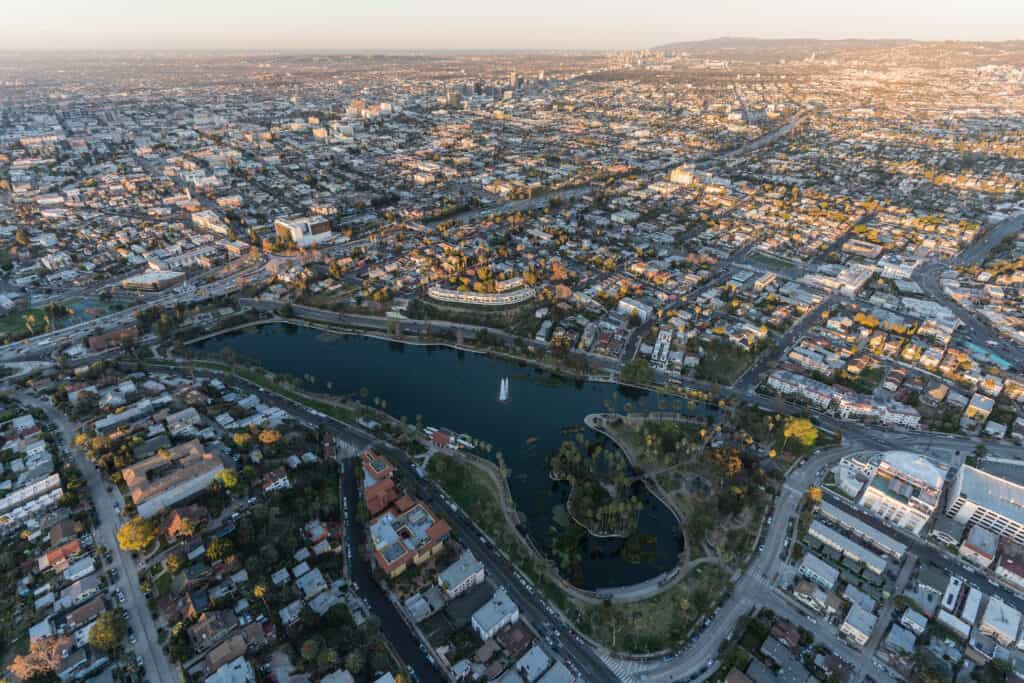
[484,24]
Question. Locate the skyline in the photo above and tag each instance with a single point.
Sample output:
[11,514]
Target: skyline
[460,25]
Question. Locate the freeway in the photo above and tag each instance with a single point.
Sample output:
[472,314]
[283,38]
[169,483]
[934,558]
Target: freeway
[44,344]
[977,328]
[976,253]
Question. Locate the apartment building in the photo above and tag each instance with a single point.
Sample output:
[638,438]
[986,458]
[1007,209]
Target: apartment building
[461,575]
[406,534]
[847,546]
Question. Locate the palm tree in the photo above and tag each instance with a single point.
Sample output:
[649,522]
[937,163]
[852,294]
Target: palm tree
[30,322]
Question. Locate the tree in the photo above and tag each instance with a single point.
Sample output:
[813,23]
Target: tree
[243,440]
[136,534]
[814,494]
[639,371]
[175,562]
[219,549]
[44,656]
[269,437]
[229,478]
[328,659]
[355,661]
[259,591]
[801,429]
[108,631]
[310,649]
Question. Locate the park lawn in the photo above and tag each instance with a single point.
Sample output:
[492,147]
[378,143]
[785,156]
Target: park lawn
[15,321]
[652,625]
[661,622]
[723,362]
[265,380]
[473,490]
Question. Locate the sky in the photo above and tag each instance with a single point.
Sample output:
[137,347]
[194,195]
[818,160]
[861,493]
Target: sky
[483,24]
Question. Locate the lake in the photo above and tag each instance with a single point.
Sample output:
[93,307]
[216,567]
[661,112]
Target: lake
[459,391]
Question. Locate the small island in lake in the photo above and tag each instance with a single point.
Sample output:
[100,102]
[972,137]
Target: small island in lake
[601,499]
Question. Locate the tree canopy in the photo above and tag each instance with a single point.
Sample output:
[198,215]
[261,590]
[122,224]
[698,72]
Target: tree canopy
[108,631]
[43,657]
[802,430]
[137,534]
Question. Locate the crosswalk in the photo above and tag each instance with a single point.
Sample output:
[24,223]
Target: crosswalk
[626,670]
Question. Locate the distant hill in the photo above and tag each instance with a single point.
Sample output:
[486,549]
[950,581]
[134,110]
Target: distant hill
[776,48]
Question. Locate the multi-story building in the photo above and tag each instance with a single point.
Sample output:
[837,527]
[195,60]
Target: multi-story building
[508,297]
[858,625]
[820,572]
[980,546]
[406,534]
[863,531]
[304,231]
[163,480]
[904,490]
[985,500]
[461,575]
[847,546]
[1000,621]
[495,615]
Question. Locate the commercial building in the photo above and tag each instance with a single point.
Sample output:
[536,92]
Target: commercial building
[980,547]
[304,231]
[985,500]
[107,340]
[154,280]
[161,481]
[495,615]
[1011,565]
[905,490]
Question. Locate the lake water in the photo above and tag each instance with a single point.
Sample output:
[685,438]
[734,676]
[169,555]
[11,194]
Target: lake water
[459,391]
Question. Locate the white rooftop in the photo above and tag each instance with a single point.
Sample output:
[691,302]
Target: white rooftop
[916,467]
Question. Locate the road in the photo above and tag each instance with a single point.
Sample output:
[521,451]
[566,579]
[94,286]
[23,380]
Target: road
[978,328]
[391,621]
[158,666]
